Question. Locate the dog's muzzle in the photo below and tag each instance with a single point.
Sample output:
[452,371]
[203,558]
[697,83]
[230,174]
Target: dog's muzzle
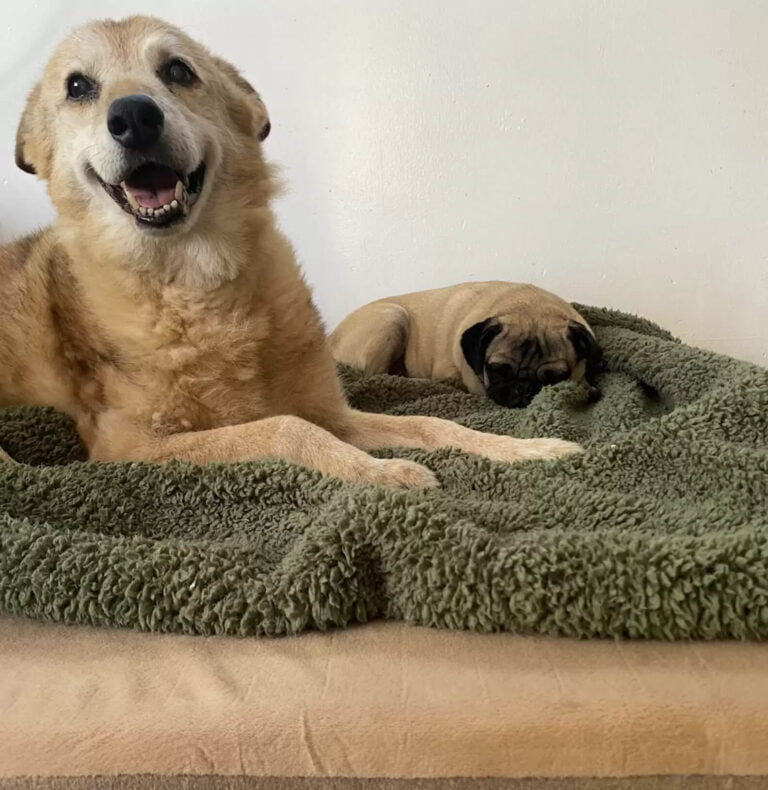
[156,194]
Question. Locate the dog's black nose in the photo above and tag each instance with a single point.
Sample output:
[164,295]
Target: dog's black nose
[135,121]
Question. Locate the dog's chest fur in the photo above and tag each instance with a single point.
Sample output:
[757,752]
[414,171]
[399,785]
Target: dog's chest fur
[168,362]
[193,362]
[198,366]
[125,359]
[190,364]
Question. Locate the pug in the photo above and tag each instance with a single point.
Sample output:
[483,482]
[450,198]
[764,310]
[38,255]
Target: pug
[503,340]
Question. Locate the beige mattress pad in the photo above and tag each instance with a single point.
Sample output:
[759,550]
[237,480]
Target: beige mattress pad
[383,700]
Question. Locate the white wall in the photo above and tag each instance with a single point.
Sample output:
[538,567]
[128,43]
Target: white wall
[615,152]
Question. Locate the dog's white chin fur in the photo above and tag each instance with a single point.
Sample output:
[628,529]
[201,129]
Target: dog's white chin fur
[181,254]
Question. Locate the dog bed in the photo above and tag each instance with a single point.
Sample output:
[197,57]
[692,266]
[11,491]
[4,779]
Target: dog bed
[659,530]
[382,706]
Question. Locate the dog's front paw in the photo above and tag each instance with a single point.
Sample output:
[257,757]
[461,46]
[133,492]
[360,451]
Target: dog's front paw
[399,474]
[511,450]
[548,449]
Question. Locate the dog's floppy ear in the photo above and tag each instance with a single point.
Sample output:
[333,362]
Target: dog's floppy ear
[248,109]
[587,349]
[475,342]
[33,142]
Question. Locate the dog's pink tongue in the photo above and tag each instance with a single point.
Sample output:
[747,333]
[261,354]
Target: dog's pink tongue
[152,186]
[152,199]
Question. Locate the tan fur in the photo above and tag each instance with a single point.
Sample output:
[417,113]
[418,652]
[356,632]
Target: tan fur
[199,343]
[423,330]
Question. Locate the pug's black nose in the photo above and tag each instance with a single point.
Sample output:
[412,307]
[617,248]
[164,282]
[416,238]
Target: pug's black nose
[135,121]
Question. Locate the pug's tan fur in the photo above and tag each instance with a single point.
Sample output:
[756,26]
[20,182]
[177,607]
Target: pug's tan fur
[422,331]
[199,343]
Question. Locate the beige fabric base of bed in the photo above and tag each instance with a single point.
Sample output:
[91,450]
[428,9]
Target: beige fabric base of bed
[384,700]
[155,782]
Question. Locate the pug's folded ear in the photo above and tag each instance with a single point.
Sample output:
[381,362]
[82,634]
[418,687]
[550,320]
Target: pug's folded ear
[587,349]
[475,342]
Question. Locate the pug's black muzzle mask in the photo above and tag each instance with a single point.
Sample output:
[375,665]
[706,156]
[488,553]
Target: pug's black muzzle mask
[515,394]
[515,389]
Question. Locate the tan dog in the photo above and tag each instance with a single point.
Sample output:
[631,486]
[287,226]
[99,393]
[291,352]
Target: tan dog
[164,311]
[504,340]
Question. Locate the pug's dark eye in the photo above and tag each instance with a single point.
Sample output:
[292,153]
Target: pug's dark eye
[553,374]
[81,88]
[499,373]
[177,72]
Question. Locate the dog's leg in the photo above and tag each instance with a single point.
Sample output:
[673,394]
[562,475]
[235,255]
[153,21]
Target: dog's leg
[372,338]
[372,431]
[5,458]
[290,438]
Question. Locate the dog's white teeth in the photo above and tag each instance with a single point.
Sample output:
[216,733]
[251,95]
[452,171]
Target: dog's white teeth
[143,211]
[179,191]
[132,202]
[174,204]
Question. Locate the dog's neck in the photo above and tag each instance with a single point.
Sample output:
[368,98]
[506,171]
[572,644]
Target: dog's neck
[203,259]
[131,290]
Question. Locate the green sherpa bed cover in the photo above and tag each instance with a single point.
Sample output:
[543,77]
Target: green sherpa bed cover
[659,530]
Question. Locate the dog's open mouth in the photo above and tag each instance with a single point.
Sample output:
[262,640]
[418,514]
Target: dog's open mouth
[157,195]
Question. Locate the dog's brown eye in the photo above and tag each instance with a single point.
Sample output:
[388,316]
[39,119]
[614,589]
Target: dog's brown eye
[178,73]
[80,88]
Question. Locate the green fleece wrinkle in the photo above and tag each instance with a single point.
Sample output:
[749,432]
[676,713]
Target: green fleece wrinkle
[660,530]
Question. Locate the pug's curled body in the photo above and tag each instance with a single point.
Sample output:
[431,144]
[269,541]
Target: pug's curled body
[504,340]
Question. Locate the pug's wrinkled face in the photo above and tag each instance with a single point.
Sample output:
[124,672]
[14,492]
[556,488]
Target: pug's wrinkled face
[515,362]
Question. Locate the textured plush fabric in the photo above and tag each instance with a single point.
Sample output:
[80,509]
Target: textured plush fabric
[658,530]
